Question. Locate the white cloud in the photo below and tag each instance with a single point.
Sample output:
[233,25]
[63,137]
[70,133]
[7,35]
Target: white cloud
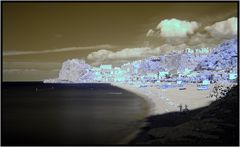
[128,54]
[99,55]
[12,53]
[133,53]
[203,40]
[173,34]
[224,29]
[124,55]
[169,47]
[176,40]
[176,28]
[197,38]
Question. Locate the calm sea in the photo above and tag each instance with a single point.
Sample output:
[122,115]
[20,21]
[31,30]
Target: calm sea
[35,113]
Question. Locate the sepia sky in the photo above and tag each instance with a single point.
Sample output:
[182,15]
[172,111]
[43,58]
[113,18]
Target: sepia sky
[38,37]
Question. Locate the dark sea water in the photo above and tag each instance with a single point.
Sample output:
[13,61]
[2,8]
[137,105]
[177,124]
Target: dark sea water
[68,114]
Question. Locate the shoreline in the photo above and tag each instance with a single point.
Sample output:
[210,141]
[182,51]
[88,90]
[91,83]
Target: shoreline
[162,101]
[147,106]
[132,89]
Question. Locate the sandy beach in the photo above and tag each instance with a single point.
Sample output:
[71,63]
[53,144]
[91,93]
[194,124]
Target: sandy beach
[167,100]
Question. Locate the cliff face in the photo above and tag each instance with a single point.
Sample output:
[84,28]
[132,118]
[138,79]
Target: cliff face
[216,124]
[74,70]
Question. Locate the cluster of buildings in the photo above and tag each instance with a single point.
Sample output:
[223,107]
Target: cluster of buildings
[128,73]
[125,73]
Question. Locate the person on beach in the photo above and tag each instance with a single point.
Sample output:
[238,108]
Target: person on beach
[180,107]
[185,109]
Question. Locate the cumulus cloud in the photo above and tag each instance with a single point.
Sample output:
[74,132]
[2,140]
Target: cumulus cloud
[106,56]
[203,40]
[169,35]
[176,28]
[172,31]
[165,48]
[122,54]
[14,53]
[223,29]
[197,38]
[176,40]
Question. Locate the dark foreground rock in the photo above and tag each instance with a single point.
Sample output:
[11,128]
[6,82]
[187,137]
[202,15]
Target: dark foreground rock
[216,124]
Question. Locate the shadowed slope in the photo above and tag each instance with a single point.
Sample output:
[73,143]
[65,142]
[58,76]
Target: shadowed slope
[216,124]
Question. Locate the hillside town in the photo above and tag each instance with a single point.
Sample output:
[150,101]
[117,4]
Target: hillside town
[189,66]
